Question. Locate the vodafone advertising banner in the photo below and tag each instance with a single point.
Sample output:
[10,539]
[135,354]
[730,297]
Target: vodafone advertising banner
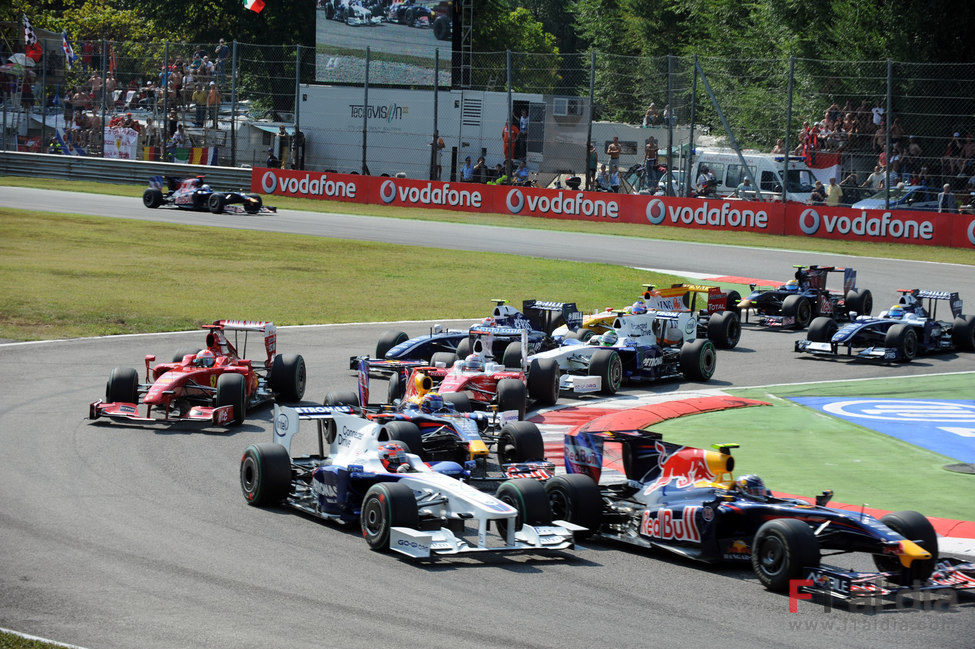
[897,226]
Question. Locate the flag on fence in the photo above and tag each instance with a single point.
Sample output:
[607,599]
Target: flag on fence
[825,166]
[69,56]
[67,146]
[254,5]
[32,48]
[198,155]
[151,153]
[112,63]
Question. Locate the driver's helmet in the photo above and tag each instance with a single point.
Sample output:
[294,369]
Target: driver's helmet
[896,312]
[205,358]
[752,485]
[608,339]
[432,402]
[474,362]
[205,188]
[792,286]
[489,321]
[638,307]
[393,456]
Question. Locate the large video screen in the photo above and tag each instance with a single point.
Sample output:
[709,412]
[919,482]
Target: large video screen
[403,36]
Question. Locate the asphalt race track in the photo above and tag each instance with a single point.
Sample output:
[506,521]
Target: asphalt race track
[115,536]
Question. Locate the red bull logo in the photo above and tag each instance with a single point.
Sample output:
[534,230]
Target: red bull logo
[686,465]
[738,550]
[664,524]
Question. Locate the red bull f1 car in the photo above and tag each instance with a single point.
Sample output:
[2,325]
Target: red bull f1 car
[909,328]
[794,304]
[193,194]
[361,474]
[214,385]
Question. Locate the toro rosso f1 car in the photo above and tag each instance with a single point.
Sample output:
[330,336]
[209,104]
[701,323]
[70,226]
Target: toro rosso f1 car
[902,332]
[215,385]
[192,194]
[401,504]
[686,500]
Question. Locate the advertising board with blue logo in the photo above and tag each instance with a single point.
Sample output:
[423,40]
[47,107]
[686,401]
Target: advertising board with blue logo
[945,426]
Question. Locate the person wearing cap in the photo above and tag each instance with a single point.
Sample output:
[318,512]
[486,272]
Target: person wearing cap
[272,160]
[946,200]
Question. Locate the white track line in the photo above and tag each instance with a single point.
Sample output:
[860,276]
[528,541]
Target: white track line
[35,638]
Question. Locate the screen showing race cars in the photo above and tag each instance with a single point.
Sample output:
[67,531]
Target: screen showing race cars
[404,38]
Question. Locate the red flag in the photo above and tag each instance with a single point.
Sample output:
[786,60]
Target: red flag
[31,47]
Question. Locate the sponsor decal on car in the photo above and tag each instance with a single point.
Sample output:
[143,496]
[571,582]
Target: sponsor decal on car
[665,524]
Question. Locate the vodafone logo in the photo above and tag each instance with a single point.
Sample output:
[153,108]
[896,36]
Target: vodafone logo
[971,233]
[269,182]
[387,191]
[515,201]
[656,212]
[809,221]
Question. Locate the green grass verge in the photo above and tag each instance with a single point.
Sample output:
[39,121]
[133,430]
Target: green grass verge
[667,233]
[802,451]
[11,641]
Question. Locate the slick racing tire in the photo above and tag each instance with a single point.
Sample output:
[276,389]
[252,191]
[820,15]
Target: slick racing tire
[580,334]
[512,356]
[860,302]
[122,386]
[255,206]
[800,308]
[216,203]
[607,365]
[387,505]
[511,396]
[963,333]
[342,398]
[388,340]
[460,401]
[903,338]
[781,550]
[731,303]
[265,474]
[464,348]
[698,360]
[288,377]
[724,329]
[447,358]
[406,432]
[913,527]
[821,330]
[528,497]
[396,388]
[232,391]
[152,198]
[178,356]
[543,381]
[520,441]
[575,497]
[441,28]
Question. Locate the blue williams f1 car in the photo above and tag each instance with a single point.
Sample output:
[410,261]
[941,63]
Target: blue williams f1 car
[909,328]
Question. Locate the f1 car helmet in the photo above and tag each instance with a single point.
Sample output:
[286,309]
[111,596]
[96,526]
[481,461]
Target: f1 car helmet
[474,362]
[489,321]
[205,188]
[608,339]
[432,402]
[393,456]
[896,312]
[638,307]
[752,485]
[792,286]
[205,358]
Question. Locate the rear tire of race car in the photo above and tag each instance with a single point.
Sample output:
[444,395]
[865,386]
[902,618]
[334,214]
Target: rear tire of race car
[512,356]
[152,198]
[288,377]
[724,329]
[265,474]
[441,28]
[520,441]
[575,498]
[342,398]
[387,505]
[511,396]
[447,358]
[528,497]
[255,206]
[821,330]
[731,303]
[859,301]
[388,340]
[396,388]
[913,526]
[781,550]
[406,432]
[606,364]
[178,356]
[122,386]
[543,381]
[698,360]
[903,338]
[232,391]
[460,401]
[216,203]
[963,333]
[580,334]
[464,348]
[798,307]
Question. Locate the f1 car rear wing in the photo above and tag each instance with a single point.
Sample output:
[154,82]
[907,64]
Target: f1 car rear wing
[286,423]
[815,277]
[266,329]
[910,295]
[548,316]
[680,297]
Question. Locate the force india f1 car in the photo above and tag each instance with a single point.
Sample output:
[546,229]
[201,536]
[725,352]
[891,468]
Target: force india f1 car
[215,385]
[192,194]
[795,303]
[685,500]
[401,504]
[902,332]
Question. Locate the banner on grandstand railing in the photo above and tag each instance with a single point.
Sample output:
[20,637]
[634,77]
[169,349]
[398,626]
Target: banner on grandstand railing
[825,166]
[121,142]
[197,155]
[29,143]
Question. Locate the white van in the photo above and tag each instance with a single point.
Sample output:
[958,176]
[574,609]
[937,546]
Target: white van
[766,170]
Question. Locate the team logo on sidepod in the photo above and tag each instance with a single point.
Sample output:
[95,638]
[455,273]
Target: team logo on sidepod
[269,182]
[656,211]
[813,216]
[515,201]
[387,191]
[282,424]
[971,233]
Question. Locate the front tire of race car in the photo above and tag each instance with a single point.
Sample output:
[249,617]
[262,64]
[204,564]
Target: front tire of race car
[528,497]
[903,338]
[860,302]
[216,203]
[388,340]
[441,28]
[913,526]
[798,307]
[387,505]
[575,498]
[152,198]
[232,391]
[406,432]
[781,550]
[265,474]
[724,329]
[963,333]
[396,388]
[460,401]
[607,365]
[543,381]
[447,358]
[821,330]
[342,398]
[731,303]
[288,377]
[512,356]
[254,205]
[178,356]
[122,386]
[520,441]
[464,348]
[511,396]
[698,360]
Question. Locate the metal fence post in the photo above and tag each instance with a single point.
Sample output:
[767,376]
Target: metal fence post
[788,130]
[592,101]
[44,96]
[887,156]
[435,172]
[233,105]
[670,125]
[164,122]
[365,114]
[297,92]
[508,145]
[101,132]
[686,190]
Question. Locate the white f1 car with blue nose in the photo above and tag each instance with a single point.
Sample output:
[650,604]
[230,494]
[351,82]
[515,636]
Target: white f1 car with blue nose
[416,509]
